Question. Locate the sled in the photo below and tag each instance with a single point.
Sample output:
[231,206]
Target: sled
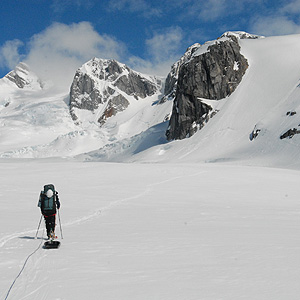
[51,245]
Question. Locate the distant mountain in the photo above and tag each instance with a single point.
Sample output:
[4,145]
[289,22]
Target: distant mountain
[107,87]
[229,100]
[22,77]
[107,102]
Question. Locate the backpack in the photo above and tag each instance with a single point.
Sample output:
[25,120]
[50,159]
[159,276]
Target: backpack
[48,204]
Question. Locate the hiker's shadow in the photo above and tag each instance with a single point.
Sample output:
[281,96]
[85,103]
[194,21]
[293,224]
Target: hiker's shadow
[31,238]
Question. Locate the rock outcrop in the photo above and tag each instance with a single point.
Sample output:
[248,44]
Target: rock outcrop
[107,86]
[213,71]
[172,78]
[290,133]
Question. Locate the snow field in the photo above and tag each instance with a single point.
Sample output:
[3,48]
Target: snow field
[152,231]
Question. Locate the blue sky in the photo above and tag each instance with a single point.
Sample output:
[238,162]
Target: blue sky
[55,36]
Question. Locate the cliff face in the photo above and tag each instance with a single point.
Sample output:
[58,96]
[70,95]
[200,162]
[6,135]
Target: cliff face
[212,72]
[172,78]
[107,86]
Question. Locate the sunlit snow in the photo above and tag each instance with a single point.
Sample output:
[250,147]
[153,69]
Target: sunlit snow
[214,216]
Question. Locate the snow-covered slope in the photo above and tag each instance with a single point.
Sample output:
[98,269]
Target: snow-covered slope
[151,231]
[36,123]
[30,114]
[23,78]
[173,228]
[268,91]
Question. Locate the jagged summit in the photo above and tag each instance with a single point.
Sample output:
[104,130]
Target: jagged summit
[23,77]
[103,69]
[196,50]
[210,71]
[106,87]
[171,80]
[112,71]
[241,35]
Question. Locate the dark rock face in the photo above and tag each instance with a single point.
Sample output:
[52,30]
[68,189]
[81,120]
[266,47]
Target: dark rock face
[172,78]
[115,105]
[108,82]
[136,85]
[214,75]
[184,124]
[290,133]
[291,113]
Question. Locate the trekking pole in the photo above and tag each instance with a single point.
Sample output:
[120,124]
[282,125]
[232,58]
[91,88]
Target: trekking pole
[38,227]
[60,225]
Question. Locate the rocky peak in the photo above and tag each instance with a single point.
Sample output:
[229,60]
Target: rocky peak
[107,86]
[171,80]
[23,77]
[212,71]
[241,35]
[198,49]
[103,69]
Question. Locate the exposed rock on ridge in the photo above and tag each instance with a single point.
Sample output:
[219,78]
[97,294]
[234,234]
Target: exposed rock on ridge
[22,77]
[213,72]
[172,78]
[107,86]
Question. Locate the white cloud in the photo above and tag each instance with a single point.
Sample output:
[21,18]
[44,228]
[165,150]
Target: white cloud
[293,7]
[163,49]
[281,19]
[165,44]
[277,25]
[9,54]
[58,51]
[212,9]
[149,67]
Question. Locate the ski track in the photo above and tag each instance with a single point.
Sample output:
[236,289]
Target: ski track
[33,273]
[31,276]
[147,190]
[7,238]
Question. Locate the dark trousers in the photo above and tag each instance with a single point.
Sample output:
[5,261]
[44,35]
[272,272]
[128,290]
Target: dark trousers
[50,224]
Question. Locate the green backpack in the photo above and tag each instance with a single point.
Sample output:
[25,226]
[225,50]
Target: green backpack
[48,204]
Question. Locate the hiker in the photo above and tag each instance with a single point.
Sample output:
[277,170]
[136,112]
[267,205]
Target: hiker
[48,203]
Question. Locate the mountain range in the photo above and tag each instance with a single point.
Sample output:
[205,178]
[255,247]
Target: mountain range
[234,99]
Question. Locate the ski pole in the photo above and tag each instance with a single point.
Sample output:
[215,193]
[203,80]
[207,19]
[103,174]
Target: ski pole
[38,227]
[60,225]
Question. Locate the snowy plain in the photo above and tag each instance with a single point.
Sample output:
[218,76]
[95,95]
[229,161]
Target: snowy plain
[215,216]
[152,231]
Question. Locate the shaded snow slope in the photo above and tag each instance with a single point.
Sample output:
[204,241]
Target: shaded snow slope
[152,231]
